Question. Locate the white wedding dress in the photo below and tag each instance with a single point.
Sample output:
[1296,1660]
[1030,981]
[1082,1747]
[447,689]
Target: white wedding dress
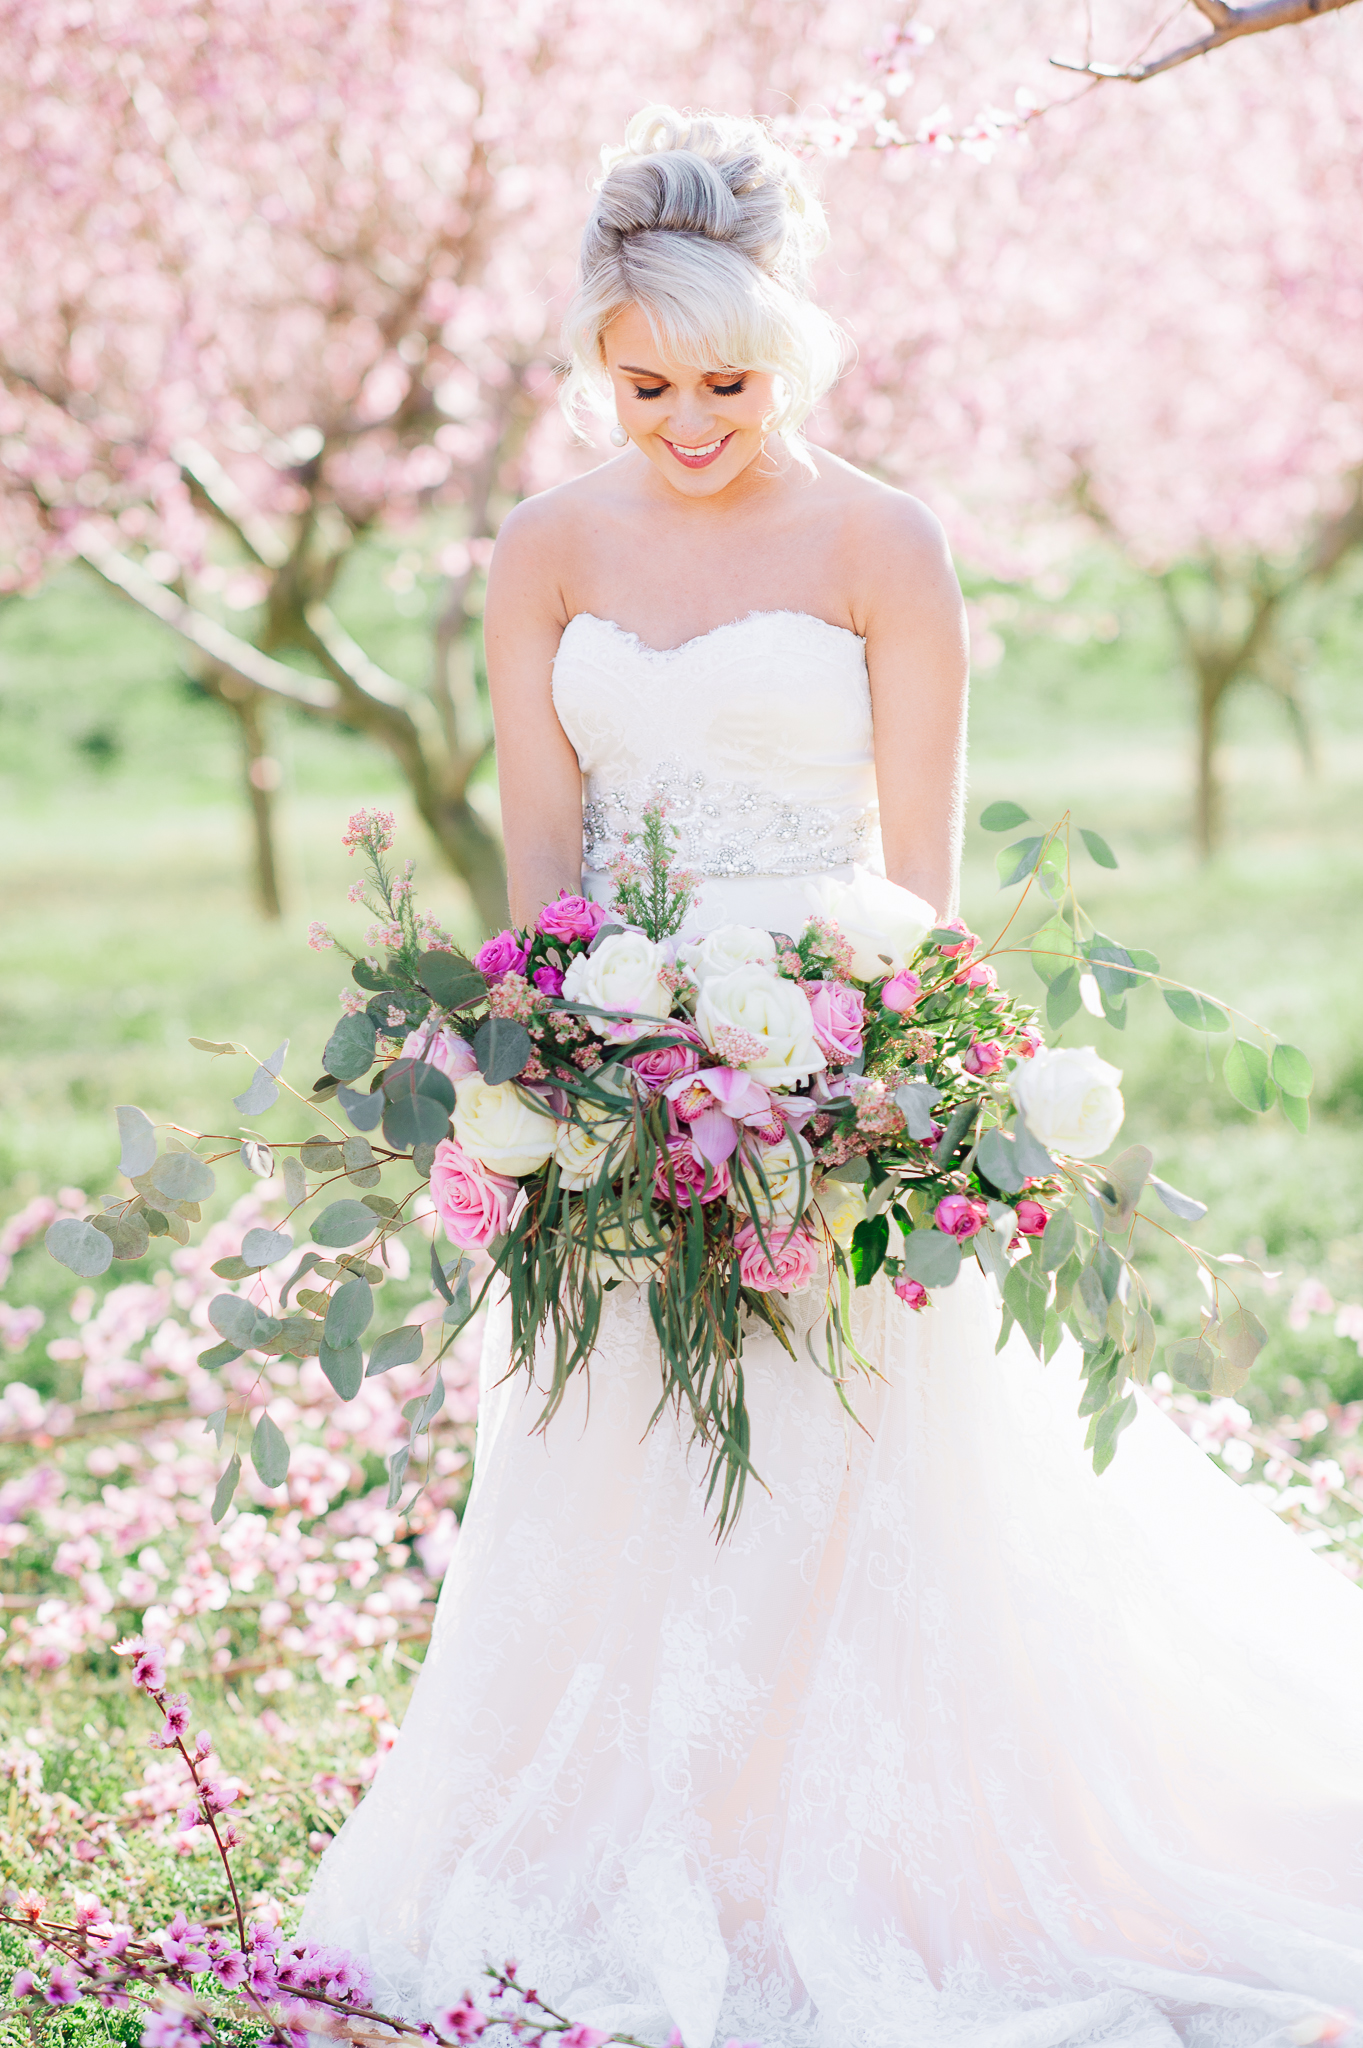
[951,1742]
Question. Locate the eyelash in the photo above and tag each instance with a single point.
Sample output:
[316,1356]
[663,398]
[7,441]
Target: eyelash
[717,390]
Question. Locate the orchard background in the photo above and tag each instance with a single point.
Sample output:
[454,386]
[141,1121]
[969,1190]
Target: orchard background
[277,353]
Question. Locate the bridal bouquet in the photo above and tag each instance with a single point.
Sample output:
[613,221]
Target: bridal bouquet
[593,1103]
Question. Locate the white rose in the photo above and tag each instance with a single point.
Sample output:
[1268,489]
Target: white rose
[727,947]
[881,921]
[754,1019]
[790,1181]
[495,1125]
[622,974]
[841,1205]
[582,1149]
[1069,1099]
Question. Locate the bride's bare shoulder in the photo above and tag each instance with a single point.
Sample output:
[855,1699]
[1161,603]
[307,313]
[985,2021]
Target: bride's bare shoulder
[893,548]
[543,536]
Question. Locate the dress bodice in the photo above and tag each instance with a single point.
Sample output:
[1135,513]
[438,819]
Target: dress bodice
[759,736]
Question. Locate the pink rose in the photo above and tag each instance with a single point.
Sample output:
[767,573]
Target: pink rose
[671,1062]
[1032,1218]
[796,1256]
[901,991]
[572,917]
[548,980]
[1029,1043]
[503,955]
[441,1048]
[473,1204]
[983,1056]
[968,941]
[958,1216]
[839,1019]
[912,1291]
[981,975]
[689,1170]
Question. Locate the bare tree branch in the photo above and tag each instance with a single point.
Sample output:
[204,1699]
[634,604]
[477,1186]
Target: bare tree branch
[1228,25]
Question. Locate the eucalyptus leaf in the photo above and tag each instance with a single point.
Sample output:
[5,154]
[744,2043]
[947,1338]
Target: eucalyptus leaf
[1123,1180]
[421,1413]
[1297,1110]
[349,1052]
[438,1273]
[216,1424]
[218,1355]
[1197,1011]
[295,1181]
[1245,1071]
[214,1045]
[423,1159]
[226,1487]
[451,980]
[369,977]
[357,1152]
[396,1347]
[1032,1156]
[257,1158]
[260,1092]
[1193,1362]
[182,1177]
[1058,1240]
[1002,816]
[397,1468]
[1025,1290]
[350,1313]
[128,1234]
[343,1366]
[137,1136]
[363,1109]
[1111,1423]
[1289,1068]
[305,1265]
[233,1268]
[80,1247]
[270,1452]
[320,1155]
[261,1247]
[1062,998]
[241,1322]
[932,1258]
[916,1100]
[1185,1206]
[1098,847]
[1111,965]
[962,1117]
[410,1119]
[998,1161]
[502,1048]
[343,1223]
[1243,1337]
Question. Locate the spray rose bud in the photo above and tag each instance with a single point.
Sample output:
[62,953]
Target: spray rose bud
[981,975]
[911,1291]
[1028,1043]
[958,1216]
[901,992]
[968,941]
[983,1056]
[1032,1218]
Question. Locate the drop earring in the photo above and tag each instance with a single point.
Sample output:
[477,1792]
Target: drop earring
[619,438]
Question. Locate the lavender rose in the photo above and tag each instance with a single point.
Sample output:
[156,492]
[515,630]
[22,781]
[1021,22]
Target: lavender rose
[669,1063]
[839,1013]
[441,1048]
[503,955]
[571,917]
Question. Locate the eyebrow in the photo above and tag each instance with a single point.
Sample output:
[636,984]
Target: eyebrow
[636,370]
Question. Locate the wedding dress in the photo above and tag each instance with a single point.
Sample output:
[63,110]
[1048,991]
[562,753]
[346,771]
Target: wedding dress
[951,1741]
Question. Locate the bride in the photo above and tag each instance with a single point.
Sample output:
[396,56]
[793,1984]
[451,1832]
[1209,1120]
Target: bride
[950,1742]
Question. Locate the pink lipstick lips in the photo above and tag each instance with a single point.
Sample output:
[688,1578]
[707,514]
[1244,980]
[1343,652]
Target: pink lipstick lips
[691,458]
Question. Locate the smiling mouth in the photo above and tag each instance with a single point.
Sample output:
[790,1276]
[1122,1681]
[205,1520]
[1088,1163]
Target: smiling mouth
[700,458]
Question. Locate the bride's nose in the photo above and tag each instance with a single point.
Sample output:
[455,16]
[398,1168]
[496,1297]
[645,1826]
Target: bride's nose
[693,418]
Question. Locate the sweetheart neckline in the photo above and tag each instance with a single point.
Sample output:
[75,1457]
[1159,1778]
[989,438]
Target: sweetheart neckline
[729,626]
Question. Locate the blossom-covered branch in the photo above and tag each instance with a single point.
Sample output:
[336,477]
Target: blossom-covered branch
[1228,24]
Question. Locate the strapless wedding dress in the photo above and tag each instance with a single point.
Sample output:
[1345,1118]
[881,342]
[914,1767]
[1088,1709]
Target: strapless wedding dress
[952,1742]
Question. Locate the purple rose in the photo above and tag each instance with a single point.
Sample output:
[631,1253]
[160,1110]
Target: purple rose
[983,1056]
[572,917]
[669,1063]
[548,980]
[839,1019]
[503,955]
[958,1216]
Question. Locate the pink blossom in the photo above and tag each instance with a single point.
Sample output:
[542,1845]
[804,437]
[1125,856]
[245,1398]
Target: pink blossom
[501,955]
[1349,1323]
[571,917]
[149,1668]
[473,1204]
[373,830]
[441,1046]
[229,1968]
[669,1063]
[1032,1218]
[176,1709]
[463,2022]
[1312,1298]
[180,1945]
[582,2037]
[911,1291]
[958,1216]
[982,1056]
[548,980]
[692,1172]
[319,938]
[62,1987]
[839,1019]
[23,1984]
[901,991]
[796,1257]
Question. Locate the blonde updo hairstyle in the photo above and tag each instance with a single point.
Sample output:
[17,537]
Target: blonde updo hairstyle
[709,226]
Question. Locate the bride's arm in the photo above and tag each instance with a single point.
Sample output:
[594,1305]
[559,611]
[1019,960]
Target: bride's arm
[537,770]
[917,657]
